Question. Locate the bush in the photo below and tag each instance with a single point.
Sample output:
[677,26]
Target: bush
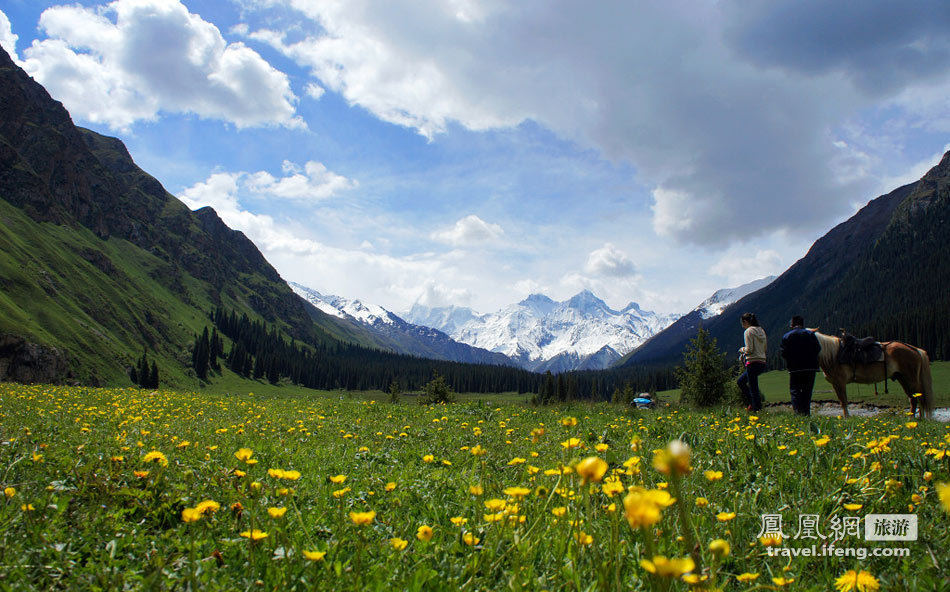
[437,391]
[705,377]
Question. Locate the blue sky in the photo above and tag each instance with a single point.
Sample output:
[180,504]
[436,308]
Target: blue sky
[471,153]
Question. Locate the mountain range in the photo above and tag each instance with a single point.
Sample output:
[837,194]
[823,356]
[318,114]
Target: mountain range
[540,334]
[393,333]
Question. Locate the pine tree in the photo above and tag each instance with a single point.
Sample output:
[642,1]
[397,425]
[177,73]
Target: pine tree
[143,370]
[394,391]
[153,376]
[704,376]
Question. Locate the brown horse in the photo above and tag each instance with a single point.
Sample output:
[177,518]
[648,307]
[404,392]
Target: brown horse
[907,364]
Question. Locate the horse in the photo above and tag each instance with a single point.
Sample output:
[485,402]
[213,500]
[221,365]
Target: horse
[905,363]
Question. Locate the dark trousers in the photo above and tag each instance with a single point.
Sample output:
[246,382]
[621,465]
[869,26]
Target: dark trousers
[800,384]
[748,383]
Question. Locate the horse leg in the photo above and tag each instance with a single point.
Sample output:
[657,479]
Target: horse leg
[909,390]
[842,393]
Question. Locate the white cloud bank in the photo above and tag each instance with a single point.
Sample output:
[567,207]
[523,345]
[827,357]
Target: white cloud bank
[722,131]
[130,60]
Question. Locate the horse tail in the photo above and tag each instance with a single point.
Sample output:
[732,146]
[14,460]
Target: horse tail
[925,380]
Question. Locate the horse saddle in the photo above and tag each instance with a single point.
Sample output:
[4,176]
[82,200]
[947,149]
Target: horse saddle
[860,351]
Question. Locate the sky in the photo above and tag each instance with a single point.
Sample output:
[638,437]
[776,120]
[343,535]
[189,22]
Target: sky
[470,153]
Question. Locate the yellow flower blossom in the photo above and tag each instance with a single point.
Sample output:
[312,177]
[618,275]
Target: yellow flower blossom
[398,543]
[862,581]
[591,469]
[674,459]
[314,555]
[362,518]
[670,568]
[424,533]
[720,548]
[254,535]
[155,457]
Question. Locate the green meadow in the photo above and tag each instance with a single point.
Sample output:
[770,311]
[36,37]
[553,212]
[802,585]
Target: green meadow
[774,387]
[108,489]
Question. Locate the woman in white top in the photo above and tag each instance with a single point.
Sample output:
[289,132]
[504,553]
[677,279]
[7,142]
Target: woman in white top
[753,356]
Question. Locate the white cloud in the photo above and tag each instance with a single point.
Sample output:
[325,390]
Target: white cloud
[609,261]
[717,132]
[7,38]
[436,294]
[314,91]
[740,267]
[527,287]
[131,60]
[314,182]
[394,282]
[468,230]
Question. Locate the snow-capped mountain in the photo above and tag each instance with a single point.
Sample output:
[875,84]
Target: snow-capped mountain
[368,314]
[542,334]
[394,333]
[718,302]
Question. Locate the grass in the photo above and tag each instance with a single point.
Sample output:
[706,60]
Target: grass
[101,487]
[774,387]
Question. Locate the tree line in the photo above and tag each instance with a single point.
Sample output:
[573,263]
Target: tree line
[262,352]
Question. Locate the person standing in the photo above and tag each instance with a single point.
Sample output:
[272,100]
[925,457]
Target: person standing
[800,348]
[753,356]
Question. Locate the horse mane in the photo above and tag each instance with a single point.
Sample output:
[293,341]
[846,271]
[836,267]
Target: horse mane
[829,349]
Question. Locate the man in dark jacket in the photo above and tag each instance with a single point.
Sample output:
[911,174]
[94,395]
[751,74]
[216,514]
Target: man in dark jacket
[800,349]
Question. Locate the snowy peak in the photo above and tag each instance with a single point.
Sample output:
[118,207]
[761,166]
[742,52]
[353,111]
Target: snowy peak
[538,303]
[586,302]
[337,306]
[582,332]
[721,299]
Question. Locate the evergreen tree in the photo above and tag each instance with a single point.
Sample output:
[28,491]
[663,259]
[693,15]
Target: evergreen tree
[133,375]
[437,391]
[704,376]
[153,376]
[214,350]
[273,375]
[201,356]
[143,370]
[394,391]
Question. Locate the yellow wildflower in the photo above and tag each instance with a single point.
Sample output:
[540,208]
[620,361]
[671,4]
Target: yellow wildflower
[254,535]
[670,568]
[591,469]
[424,533]
[276,512]
[362,518]
[398,543]
[862,581]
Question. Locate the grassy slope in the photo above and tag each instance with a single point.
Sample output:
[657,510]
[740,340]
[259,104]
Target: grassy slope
[101,315]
